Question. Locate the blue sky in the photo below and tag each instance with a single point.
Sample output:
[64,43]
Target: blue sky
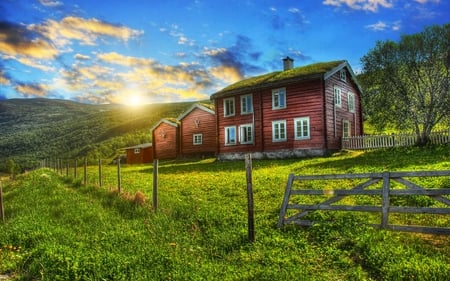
[151,51]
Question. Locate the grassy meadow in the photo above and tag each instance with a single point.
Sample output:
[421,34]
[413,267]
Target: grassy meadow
[59,229]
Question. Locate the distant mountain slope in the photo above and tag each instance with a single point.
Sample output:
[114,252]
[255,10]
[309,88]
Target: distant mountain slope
[34,129]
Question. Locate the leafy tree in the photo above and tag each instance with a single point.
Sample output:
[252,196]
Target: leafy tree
[407,82]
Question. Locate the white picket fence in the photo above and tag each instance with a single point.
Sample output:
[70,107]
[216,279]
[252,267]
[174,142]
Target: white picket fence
[385,141]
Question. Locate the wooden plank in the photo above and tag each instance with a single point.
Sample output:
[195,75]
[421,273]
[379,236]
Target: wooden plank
[287,193]
[419,210]
[339,176]
[337,192]
[395,175]
[385,200]
[429,192]
[335,207]
[418,187]
[421,229]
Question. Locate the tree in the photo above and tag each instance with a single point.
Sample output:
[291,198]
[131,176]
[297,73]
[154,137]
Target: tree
[407,82]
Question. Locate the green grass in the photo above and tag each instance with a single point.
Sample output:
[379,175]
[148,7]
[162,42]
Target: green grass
[58,229]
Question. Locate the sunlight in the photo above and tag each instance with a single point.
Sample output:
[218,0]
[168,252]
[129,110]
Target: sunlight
[134,100]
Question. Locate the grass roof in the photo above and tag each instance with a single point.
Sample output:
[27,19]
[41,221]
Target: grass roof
[278,76]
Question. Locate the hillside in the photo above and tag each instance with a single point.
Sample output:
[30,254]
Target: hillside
[34,129]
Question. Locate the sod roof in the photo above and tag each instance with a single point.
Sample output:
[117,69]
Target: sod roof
[261,81]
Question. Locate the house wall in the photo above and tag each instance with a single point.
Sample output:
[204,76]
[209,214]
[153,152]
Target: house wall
[198,121]
[165,141]
[336,115]
[144,156]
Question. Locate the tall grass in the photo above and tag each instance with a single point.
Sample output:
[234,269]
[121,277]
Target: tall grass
[59,229]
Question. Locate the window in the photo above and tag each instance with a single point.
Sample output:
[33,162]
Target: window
[346,129]
[230,135]
[137,150]
[197,139]
[301,128]
[343,75]
[337,97]
[228,107]
[279,130]
[246,104]
[246,134]
[279,98]
[351,102]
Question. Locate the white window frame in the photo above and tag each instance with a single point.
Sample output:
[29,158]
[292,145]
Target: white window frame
[279,131]
[337,96]
[279,98]
[346,129]
[246,134]
[247,104]
[302,128]
[343,75]
[228,140]
[137,150]
[229,107]
[351,101]
[197,139]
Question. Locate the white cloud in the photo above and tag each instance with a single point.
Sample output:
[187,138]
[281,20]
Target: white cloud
[381,26]
[366,5]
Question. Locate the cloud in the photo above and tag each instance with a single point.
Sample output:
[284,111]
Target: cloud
[366,5]
[4,80]
[86,31]
[18,40]
[426,1]
[294,17]
[240,56]
[50,3]
[381,26]
[32,90]
[82,57]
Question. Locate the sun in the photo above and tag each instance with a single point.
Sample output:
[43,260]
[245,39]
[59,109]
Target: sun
[134,100]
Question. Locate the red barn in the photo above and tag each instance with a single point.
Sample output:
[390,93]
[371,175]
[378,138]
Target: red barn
[297,112]
[166,139]
[198,131]
[139,154]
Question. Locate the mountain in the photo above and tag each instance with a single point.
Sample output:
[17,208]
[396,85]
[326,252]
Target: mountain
[36,129]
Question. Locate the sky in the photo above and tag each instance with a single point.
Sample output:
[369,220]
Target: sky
[152,51]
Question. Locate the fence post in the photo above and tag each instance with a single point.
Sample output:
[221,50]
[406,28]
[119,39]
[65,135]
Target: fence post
[287,193]
[155,185]
[2,210]
[385,200]
[251,220]
[100,172]
[119,180]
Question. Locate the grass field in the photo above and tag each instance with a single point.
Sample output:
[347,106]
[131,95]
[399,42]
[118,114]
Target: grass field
[58,229]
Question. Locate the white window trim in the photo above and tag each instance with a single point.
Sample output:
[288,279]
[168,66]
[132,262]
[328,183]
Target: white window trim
[225,107]
[137,151]
[226,135]
[241,127]
[337,96]
[351,101]
[248,97]
[274,123]
[349,128]
[302,119]
[343,75]
[277,92]
[197,137]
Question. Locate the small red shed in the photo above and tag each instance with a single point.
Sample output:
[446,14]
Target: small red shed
[166,138]
[139,154]
[198,131]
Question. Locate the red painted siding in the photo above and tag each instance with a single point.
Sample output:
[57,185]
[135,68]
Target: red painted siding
[336,115]
[145,155]
[198,121]
[165,141]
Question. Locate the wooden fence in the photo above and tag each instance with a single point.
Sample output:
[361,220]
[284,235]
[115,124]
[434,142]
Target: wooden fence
[298,211]
[385,141]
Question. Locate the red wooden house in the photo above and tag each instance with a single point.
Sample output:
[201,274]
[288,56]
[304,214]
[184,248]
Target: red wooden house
[198,131]
[139,154]
[296,112]
[166,139]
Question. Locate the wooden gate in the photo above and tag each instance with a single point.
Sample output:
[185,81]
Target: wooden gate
[386,192]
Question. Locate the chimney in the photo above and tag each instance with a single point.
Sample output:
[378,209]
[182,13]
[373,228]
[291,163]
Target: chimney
[288,63]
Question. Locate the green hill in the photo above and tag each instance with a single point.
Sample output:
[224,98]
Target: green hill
[34,129]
